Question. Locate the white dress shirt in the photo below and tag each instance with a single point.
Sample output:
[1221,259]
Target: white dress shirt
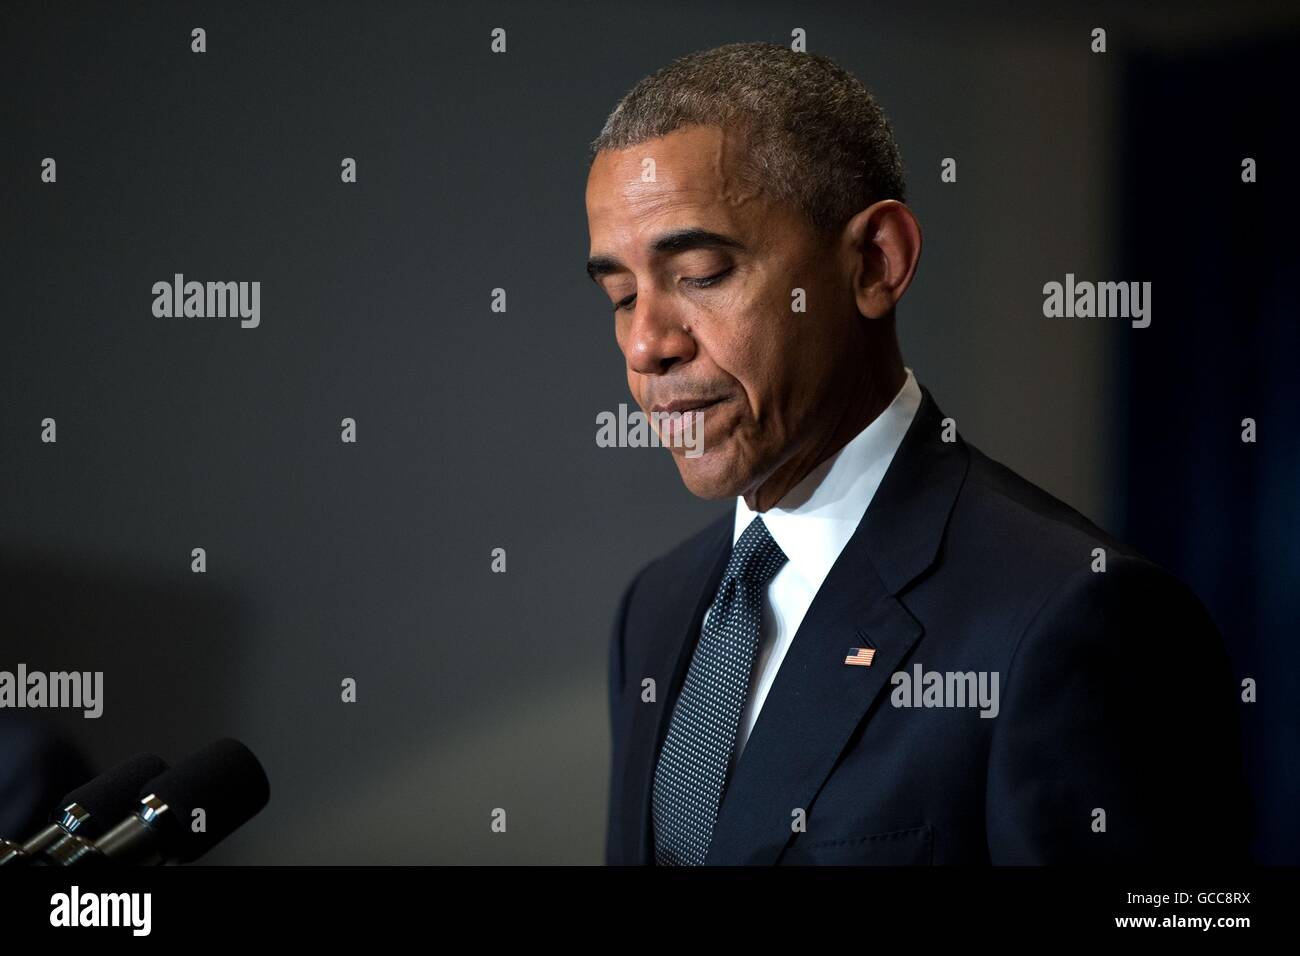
[812,524]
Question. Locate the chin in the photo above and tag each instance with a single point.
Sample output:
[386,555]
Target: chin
[711,476]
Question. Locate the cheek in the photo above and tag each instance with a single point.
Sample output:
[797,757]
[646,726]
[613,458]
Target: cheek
[759,346]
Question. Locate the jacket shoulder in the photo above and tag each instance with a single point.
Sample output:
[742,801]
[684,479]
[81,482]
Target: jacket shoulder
[1018,546]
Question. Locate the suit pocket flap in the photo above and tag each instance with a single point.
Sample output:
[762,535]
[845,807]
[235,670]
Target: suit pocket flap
[913,847]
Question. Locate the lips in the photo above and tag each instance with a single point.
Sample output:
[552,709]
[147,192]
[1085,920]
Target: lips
[684,405]
[682,420]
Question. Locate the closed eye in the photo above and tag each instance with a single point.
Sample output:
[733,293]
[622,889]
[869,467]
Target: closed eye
[706,281]
[702,282]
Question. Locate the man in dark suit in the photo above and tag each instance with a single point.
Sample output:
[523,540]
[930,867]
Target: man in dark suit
[895,650]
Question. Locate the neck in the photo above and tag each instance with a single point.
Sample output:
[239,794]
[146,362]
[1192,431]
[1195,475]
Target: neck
[875,393]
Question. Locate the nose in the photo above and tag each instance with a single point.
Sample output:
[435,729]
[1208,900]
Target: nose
[656,338]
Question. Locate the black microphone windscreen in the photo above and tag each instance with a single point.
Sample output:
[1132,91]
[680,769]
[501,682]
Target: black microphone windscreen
[225,781]
[113,794]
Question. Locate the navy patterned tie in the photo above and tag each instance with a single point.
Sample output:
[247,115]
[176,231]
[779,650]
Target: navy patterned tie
[692,771]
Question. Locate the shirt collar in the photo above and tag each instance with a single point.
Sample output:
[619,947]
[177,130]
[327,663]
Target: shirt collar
[816,518]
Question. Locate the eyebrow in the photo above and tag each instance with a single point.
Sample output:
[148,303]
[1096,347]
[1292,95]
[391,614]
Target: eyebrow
[670,243]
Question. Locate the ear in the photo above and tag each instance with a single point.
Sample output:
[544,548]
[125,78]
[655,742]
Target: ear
[883,245]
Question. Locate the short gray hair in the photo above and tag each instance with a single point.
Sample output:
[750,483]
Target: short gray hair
[815,136]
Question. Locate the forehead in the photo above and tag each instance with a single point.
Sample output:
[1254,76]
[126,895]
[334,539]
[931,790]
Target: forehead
[693,173]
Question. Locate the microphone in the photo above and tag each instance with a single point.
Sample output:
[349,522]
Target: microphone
[91,809]
[223,780]
[10,851]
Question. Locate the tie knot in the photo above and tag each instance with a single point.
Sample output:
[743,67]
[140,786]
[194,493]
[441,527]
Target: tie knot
[756,556]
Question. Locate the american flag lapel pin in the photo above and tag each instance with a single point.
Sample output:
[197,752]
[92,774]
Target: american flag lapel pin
[861,656]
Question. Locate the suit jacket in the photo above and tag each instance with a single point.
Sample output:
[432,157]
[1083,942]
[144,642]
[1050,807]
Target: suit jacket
[1115,738]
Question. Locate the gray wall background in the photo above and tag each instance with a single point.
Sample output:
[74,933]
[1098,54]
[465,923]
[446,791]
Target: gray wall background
[476,430]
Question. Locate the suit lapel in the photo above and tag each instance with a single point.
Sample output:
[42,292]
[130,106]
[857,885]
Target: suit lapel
[811,710]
